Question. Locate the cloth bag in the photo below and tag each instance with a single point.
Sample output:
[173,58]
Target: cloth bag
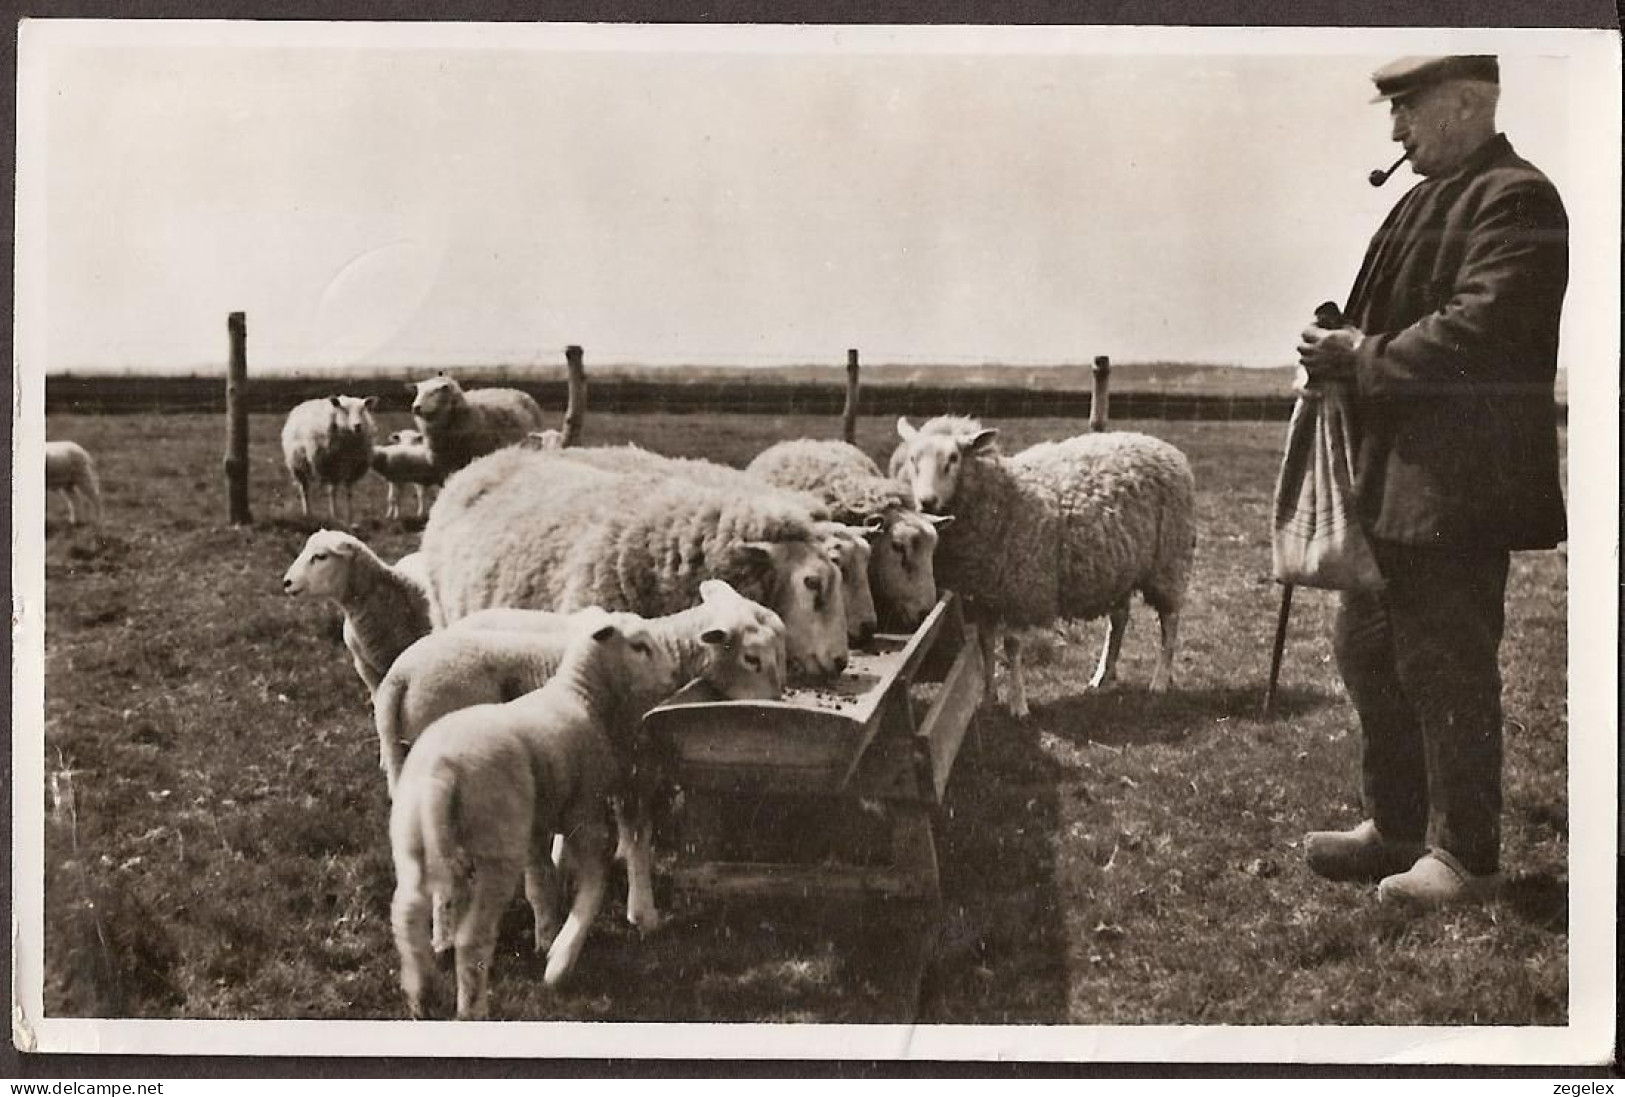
[1317,539]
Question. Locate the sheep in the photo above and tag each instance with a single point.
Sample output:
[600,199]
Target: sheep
[901,573]
[329,441]
[850,551]
[544,439]
[498,654]
[404,463]
[538,530]
[459,426]
[485,790]
[70,470]
[1067,529]
[385,609]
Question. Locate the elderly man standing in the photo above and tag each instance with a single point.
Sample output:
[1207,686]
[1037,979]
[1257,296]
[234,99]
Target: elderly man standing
[1450,354]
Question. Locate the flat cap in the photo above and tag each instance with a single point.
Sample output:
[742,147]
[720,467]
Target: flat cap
[1409,74]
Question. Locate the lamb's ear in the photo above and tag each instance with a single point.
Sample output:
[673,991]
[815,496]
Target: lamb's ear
[716,637]
[370,403]
[904,430]
[716,590]
[981,441]
[938,520]
[335,401]
[604,631]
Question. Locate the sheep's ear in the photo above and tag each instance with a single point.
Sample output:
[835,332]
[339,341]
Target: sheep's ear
[981,441]
[873,523]
[716,637]
[905,430]
[335,401]
[604,631]
[938,520]
[370,402]
[749,564]
[412,387]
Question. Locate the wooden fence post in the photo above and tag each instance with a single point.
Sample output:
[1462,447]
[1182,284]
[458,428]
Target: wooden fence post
[1097,405]
[237,422]
[849,414]
[575,409]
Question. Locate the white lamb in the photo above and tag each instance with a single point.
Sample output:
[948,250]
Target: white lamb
[401,463]
[329,441]
[1063,530]
[459,426]
[385,609]
[536,530]
[901,570]
[498,654]
[70,470]
[485,790]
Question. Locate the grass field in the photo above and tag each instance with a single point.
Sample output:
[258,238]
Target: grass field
[215,840]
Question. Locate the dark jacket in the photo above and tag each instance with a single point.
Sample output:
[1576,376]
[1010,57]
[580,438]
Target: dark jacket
[1460,296]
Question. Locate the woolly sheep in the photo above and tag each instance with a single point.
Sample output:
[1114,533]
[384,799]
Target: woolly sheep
[385,609]
[537,530]
[329,441]
[486,789]
[459,425]
[70,470]
[848,546]
[404,463]
[501,653]
[1063,530]
[901,571]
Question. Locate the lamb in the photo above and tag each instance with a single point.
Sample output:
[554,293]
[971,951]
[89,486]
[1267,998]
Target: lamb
[329,441]
[486,789]
[404,463]
[459,426]
[901,571]
[70,470]
[1066,529]
[537,530]
[498,654]
[385,609]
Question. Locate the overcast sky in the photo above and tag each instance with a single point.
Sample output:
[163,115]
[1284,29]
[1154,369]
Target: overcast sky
[445,196]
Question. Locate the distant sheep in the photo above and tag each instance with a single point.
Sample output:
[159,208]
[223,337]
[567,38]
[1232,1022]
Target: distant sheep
[401,463]
[538,530]
[544,439]
[901,570]
[329,441]
[459,425]
[385,609]
[486,789]
[498,654]
[70,470]
[1063,530]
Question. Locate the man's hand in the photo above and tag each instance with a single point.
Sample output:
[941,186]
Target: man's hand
[1327,354]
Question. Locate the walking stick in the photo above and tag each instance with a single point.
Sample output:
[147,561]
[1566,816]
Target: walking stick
[1279,647]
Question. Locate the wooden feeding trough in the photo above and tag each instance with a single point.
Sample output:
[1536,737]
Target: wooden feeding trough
[856,748]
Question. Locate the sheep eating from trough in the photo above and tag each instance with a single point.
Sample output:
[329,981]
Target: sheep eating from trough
[538,530]
[70,470]
[1063,530]
[385,608]
[329,441]
[902,574]
[485,790]
[460,425]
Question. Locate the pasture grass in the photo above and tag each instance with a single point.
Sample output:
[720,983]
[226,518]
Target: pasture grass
[215,839]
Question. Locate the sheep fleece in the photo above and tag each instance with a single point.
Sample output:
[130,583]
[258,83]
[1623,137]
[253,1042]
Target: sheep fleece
[1070,529]
[530,529]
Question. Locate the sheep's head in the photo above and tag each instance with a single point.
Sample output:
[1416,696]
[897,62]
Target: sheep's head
[352,417]
[322,568]
[796,579]
[407,437]
[930,461]
[435,397]
[748,660]
[642,670]
[902,572]
[849,550]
